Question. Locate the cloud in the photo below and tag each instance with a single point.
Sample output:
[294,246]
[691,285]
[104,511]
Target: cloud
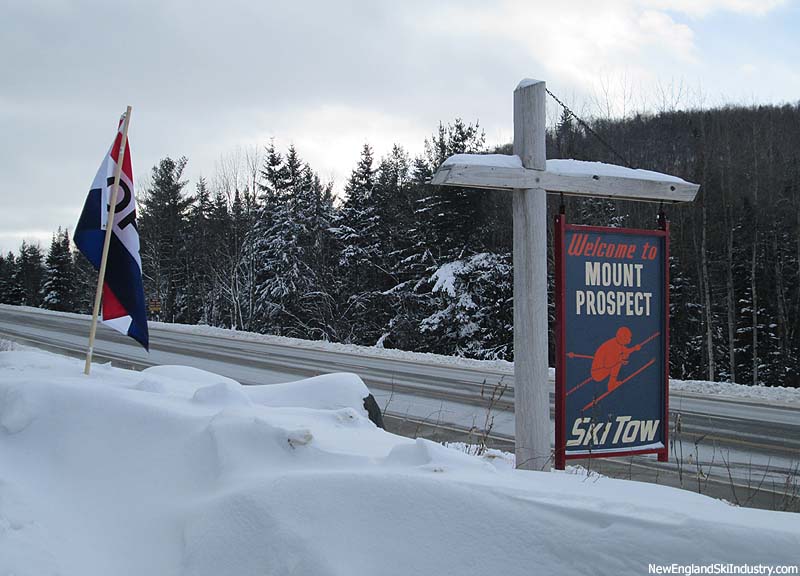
[576,46]
[206,77]
[324,136]
[703,8]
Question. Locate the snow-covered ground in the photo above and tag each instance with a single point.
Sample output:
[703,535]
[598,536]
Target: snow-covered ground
[178,471]
[779,394]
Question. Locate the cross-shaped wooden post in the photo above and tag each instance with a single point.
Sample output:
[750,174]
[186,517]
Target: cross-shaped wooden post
[531,176]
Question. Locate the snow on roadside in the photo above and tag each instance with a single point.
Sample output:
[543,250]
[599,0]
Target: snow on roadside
[775,394]
[772,394]
[178,471]
[368,351]
[8,345]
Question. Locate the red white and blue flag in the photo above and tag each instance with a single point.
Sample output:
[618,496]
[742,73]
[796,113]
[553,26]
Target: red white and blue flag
[123,292]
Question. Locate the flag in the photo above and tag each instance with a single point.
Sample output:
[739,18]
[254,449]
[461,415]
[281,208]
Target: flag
[123,292]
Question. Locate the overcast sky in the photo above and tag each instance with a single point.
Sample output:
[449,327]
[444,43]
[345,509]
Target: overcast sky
[207,78]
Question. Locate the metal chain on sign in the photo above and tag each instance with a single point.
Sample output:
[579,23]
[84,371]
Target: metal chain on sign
[589,129]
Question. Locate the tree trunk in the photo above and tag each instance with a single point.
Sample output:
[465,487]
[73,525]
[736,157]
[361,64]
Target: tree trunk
[731,309]
[754,311]
[707,298]
[753,290]
[778,268]
[730,286]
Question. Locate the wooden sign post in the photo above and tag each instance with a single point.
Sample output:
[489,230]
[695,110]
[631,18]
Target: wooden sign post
[530,177]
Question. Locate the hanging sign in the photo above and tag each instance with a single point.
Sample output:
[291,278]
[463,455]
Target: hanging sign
[612,301]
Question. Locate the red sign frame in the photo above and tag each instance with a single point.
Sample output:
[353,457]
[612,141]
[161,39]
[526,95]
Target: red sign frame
[561,227]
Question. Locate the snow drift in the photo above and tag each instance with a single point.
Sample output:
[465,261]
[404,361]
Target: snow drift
[177,471]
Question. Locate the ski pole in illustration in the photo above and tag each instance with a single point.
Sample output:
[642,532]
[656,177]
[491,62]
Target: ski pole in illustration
[610,390]
[608,359]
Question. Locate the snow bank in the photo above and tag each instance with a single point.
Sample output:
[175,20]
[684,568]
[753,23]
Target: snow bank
[367,351]
[326,392]
[771,394]
[444,281]
[178,471]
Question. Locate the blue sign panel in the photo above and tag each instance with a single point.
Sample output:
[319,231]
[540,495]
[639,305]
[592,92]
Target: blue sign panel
[612,365]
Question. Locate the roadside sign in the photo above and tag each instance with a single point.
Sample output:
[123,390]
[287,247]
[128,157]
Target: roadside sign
[612,334]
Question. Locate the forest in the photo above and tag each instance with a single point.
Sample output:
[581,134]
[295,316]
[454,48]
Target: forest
[266,246]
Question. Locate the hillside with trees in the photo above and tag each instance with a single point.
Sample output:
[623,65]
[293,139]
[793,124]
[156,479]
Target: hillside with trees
[265,246]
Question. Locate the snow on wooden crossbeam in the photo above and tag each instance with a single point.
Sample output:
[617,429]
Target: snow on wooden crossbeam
[572,177]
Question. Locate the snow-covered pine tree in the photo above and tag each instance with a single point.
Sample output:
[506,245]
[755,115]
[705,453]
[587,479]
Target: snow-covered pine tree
[222,263]
[58,290]
[410,255]
[15,293]
[162,229]
[358,237]
[28,275]
[454,215]
[566,136]
[197,291]
[686,320]
[459,236]
[274,189]
[323,258]
[477,318]
[291,295]
[7,268]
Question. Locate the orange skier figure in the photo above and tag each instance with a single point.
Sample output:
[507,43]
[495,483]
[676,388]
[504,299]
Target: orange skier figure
[611,356]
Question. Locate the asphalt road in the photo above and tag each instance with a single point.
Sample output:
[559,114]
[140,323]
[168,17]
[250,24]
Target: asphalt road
[745,451]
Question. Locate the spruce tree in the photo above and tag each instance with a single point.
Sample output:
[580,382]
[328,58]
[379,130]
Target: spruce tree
[85,283]
[58,290]
[292,254]
[455,216]
[360,256]
[162,230]
[197,298]
[6,273]
[221,262]
[28,276]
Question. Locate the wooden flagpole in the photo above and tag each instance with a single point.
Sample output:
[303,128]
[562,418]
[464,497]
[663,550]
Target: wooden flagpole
[109,227]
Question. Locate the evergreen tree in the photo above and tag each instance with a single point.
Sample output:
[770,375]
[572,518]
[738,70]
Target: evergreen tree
[292,295]
[455,216]
[58,291]
[222,263]
[406,265]
[451,225]
[7,267]
[28,276]
[162,230]
[85,283]
[197,292]
[474,313]
[360,256]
